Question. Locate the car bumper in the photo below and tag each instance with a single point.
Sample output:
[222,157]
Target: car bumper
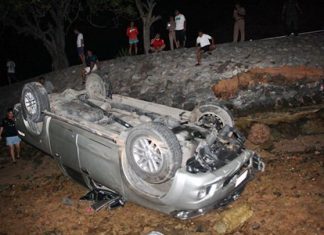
[195,194]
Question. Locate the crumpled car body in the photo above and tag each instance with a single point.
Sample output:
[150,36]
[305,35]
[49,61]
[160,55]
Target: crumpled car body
[182,163]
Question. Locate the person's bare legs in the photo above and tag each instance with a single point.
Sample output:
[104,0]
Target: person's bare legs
[130,49]
[161,48]
[242,30]
[82,58]
[198,54]
[135,46]
[177,44]
[12,152]
[175,41]
[171,41]
[17,146]
[236,31]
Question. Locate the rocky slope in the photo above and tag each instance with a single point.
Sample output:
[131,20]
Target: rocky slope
[172,78]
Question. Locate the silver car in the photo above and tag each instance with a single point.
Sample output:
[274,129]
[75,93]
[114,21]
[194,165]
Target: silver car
[178,162]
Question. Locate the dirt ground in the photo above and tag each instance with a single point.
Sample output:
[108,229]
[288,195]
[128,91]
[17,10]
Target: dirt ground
[288,198]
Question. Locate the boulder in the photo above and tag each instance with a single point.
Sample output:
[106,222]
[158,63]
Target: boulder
[259,134]
[233,219]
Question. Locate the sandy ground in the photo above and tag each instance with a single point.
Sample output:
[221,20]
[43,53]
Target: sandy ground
[288,198]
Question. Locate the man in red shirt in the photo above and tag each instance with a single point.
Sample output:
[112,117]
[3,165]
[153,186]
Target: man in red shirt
[132,33]
[157,44]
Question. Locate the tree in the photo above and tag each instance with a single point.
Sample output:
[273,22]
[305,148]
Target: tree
[128,8]
[44,20]
[146,13]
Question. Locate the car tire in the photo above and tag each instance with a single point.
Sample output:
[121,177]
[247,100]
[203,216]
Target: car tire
[34,100]
[153,152]
[95,87]
[212,115]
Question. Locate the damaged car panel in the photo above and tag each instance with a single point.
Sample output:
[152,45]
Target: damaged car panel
[179,162]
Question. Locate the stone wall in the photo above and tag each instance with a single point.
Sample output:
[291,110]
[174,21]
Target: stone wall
[171,77]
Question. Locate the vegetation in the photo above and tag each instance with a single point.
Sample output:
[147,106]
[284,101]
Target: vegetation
[131,9]
[45,20]
[49,20]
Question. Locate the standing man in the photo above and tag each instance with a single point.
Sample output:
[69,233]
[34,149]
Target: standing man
[204,43]
[132,33]
[180,28]
[11,71]
[290,13]
[172,37]
[239,24]
[80,45]
[11,134]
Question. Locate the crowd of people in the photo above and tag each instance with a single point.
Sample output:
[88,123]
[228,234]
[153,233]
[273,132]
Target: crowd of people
[176,28]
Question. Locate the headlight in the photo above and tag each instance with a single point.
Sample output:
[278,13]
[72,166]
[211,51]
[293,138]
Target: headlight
[203,192]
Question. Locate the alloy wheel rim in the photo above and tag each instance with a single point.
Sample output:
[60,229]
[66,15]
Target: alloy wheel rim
[147,155]
[30,103]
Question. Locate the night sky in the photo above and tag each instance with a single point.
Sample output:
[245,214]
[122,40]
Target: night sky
[214,17]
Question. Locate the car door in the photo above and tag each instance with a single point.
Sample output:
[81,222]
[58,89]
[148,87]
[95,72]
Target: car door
[63,144]
[99,158]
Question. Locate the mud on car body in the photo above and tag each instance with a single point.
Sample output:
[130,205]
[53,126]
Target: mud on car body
[182,163]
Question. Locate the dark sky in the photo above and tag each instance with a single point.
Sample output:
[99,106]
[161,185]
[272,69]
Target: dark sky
[214,17]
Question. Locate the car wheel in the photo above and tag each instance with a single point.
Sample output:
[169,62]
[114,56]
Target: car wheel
[34,100]
[153,152]
[212,115]
[95,86]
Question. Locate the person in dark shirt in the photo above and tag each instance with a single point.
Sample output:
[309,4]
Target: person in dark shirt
[8,127]
[290,14]
[92,63]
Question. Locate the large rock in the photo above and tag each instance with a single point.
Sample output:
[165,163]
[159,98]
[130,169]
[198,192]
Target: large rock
[232,219]
[259,134]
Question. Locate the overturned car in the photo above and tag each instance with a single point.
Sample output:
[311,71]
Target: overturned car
[178,162]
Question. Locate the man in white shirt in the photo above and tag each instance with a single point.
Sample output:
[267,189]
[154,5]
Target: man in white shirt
[180,28]
[204,43]
[80,45]
[11,71]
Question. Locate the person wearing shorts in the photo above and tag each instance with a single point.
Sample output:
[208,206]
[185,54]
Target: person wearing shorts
[172,36]
[204,45]
[80,45]
[180,28]
[239,25]
[8,127]
[132,33]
